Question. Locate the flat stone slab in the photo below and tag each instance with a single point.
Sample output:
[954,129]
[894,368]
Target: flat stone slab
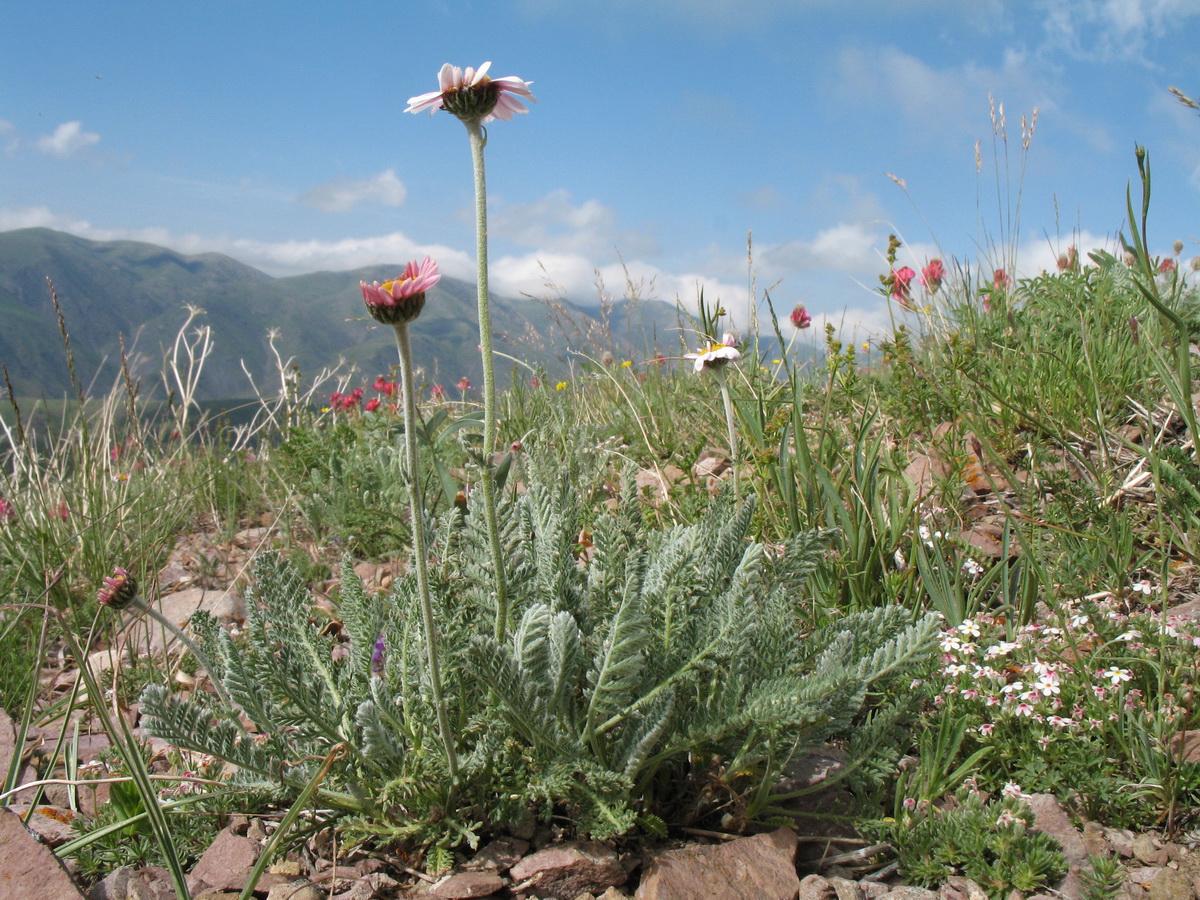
[27,867]
[762,866]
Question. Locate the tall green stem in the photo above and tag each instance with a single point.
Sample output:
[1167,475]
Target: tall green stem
[488,483]
[139,604]
[420,553]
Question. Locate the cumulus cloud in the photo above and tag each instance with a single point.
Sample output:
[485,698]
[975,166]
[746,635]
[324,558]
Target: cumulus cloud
[68,139]
[846,247]
[344,194]
[834,272]
[557,225]
[583,280]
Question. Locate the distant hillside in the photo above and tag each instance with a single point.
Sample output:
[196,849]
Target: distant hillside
[141,291]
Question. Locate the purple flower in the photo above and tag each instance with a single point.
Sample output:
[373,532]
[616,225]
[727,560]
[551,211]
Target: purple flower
[378,657]
[800,317]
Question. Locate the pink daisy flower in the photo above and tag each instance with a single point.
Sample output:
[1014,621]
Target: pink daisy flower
[472,95]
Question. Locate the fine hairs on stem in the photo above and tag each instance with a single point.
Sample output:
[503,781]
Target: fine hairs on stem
[420,552]
[487,480]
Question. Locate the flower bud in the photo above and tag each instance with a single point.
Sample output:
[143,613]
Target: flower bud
[119,590]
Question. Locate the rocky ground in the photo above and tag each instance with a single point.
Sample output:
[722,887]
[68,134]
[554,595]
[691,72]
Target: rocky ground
[808,862]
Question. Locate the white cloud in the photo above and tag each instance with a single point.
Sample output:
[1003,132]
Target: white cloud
[834,273]
[556,225]
[932,105]
[343,194]
[68,139]
[846,247]
[1103,30]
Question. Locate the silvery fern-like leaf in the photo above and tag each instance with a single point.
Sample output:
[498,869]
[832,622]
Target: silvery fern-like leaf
[643,735]
[381,734]
[190,726]
[362,616]
[531,643]
[566,667]
[520,702]
[899,652]
[616,673]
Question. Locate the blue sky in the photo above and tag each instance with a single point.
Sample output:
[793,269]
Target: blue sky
[665,131]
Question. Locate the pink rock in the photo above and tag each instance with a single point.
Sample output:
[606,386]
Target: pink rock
[762,867]
[465,885]
[567,870]
[29,869]
[226,864]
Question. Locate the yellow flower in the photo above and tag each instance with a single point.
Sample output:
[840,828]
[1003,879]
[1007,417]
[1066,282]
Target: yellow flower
[627,364]
[561,386]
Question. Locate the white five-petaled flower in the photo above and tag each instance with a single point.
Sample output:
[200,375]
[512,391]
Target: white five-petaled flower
[715,356]
[1115,675]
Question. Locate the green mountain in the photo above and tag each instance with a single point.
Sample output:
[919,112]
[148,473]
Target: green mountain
[111,289]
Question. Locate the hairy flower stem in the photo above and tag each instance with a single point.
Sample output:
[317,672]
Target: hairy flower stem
[723,380]
[488,483]
[420,553]
[140,604]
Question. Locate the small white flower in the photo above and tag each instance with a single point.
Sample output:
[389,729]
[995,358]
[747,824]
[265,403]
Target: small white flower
[1001,649]
[1115,675]
[715,356]
[968,626]
[1012,789]
[1142,587]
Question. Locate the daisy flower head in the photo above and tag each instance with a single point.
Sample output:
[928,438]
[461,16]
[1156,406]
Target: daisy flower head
[715,356]
[473,96]
[402,298]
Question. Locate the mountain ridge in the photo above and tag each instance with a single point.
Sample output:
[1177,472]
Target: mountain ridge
[141,291]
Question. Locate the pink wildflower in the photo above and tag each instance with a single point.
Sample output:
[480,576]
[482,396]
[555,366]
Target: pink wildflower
[7,511]
[371,405]
[385,387]
[118,591]
[1001,280]
[932,275]
[437,392]
[800,317]
[464,384]
[987,728]
[1166,266]
[472,96]
[901,286]
[401,299]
